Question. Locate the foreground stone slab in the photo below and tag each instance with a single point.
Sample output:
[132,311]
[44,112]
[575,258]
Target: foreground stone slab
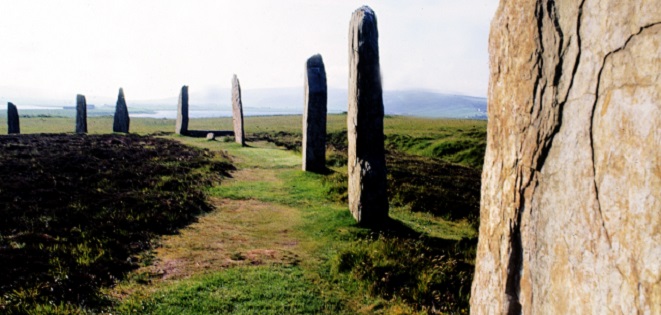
[314,115]
[13,125]
[181,126]
[81,114]
[237,112]
[571,188]
[368,200]
[122,120]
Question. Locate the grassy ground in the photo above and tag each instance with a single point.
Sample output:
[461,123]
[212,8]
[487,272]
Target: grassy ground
[453,140]
[279,240]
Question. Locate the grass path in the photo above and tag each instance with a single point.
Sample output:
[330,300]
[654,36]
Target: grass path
[239,232]
[271,246]
[245,232]
[253,254]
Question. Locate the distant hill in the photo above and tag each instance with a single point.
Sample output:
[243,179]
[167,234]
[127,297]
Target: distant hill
[432,104]
[420,103]
[406,102]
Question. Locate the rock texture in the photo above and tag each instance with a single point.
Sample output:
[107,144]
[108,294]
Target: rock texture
[13,126]
[181,126]
[314,115]
[81,114]
[571,187]
[122,120]
[237,112]
[368,201]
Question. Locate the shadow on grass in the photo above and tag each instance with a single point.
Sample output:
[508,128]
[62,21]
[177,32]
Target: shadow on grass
[77,212]
[204,133]
[325,171]
[395,261]
[282,139]
[434,186]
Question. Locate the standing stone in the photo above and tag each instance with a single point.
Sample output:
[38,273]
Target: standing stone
[314,115]
[237,112]
[571,185]
[368,200]
[121,122]
[181,127]
[13,125]
[81,114]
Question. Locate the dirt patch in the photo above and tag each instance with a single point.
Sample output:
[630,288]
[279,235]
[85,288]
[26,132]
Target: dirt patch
[255,175]
[238,232]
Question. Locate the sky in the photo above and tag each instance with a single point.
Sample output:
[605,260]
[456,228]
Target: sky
[153,47]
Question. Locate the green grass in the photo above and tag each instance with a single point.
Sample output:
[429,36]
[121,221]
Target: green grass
[295,188]
[324,226]
[241,290]
[95,125]
[434,226]
[460,147]
[421,260]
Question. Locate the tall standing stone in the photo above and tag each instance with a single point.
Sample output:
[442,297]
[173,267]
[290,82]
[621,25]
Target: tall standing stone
[368,200]
[314,115]
[13,125]
[181,127]
[237,112]
[571,185]
[122,120]
[81,114]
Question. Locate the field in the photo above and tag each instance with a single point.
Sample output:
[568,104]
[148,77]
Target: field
[154,223]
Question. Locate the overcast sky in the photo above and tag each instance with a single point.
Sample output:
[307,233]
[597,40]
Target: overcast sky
[152,47]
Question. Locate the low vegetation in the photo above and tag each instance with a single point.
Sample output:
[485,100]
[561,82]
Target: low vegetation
[78,212]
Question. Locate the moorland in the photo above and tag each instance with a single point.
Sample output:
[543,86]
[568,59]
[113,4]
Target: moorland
[156,223]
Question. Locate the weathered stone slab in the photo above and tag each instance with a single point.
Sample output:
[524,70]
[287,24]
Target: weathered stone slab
[571,187]
[13,125]
[122,120]
[368,200]
[237,112]
[314,115]
[81,114]
[181,126]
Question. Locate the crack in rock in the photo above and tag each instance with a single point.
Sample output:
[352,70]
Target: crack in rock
[592,118]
